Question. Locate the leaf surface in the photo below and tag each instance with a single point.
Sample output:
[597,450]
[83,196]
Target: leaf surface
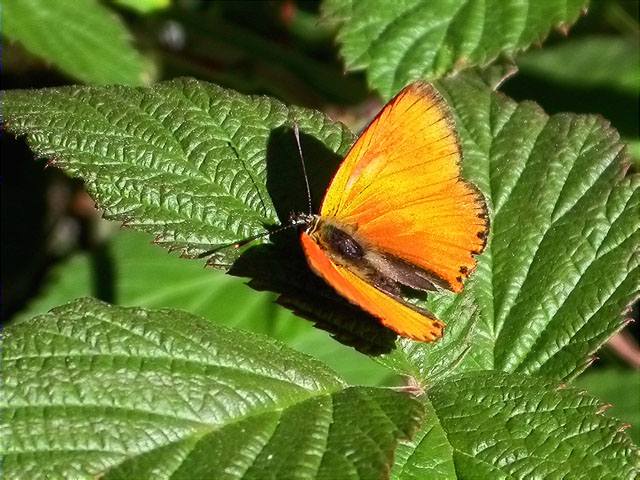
[82,38]
[512,426]
[95,390]
[131,267]
[183,160]
[400,41]
[561,264]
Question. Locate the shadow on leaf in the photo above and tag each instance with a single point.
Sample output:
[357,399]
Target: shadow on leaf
[281,267]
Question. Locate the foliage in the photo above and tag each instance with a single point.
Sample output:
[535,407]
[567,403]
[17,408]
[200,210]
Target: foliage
[396,42]
[142,393]
[215,149]
[99,390]
[207,293]
[83,38]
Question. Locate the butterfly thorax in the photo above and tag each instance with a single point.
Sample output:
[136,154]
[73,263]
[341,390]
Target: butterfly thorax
[338,240]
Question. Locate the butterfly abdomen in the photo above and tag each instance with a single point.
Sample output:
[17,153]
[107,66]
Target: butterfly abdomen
[344,246]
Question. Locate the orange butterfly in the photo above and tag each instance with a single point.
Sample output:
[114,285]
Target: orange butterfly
[397,213]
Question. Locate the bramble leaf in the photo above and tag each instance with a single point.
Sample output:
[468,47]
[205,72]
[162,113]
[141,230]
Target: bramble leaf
[190,162]
[91,390]
[84,39]
[499,425]
[400,41]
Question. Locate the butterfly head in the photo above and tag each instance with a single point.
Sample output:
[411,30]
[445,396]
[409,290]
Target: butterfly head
[307,221]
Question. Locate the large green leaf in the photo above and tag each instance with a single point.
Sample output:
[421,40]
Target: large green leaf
[95,390]
[512,426]
[200,166]
[192,163]
[131,266]
[562,260]
[81,37]
[403,40]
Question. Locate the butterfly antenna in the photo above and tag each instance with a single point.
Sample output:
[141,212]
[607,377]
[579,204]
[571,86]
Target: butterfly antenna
[248,240]
[244,241]
[296,132]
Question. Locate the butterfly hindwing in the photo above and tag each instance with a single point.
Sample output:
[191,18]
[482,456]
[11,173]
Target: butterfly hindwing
[392,312]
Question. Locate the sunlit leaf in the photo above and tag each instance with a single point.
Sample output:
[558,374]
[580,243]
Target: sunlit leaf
[81,37]
[91,390]
[403,40]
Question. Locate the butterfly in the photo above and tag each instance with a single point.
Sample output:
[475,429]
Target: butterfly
[398,214]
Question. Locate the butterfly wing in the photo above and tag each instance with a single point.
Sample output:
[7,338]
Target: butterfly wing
[400,187]
[392,313]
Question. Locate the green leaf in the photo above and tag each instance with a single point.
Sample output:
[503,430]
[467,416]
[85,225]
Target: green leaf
[81,37]
[144,6]
[561,263]
[429,363]
[611,62]
[614,387]
[498,425]
[428,455]
[184,160]
[199,166]
[91,390]
[132,266]
[400,41]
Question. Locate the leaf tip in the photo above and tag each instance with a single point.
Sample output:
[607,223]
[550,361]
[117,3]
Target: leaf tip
[563,29]
[413,387]
[603,408]
[623,427]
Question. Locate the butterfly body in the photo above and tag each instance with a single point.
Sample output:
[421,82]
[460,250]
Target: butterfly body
[345,248]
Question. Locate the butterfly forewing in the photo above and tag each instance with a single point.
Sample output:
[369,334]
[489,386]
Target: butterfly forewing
[400,186]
